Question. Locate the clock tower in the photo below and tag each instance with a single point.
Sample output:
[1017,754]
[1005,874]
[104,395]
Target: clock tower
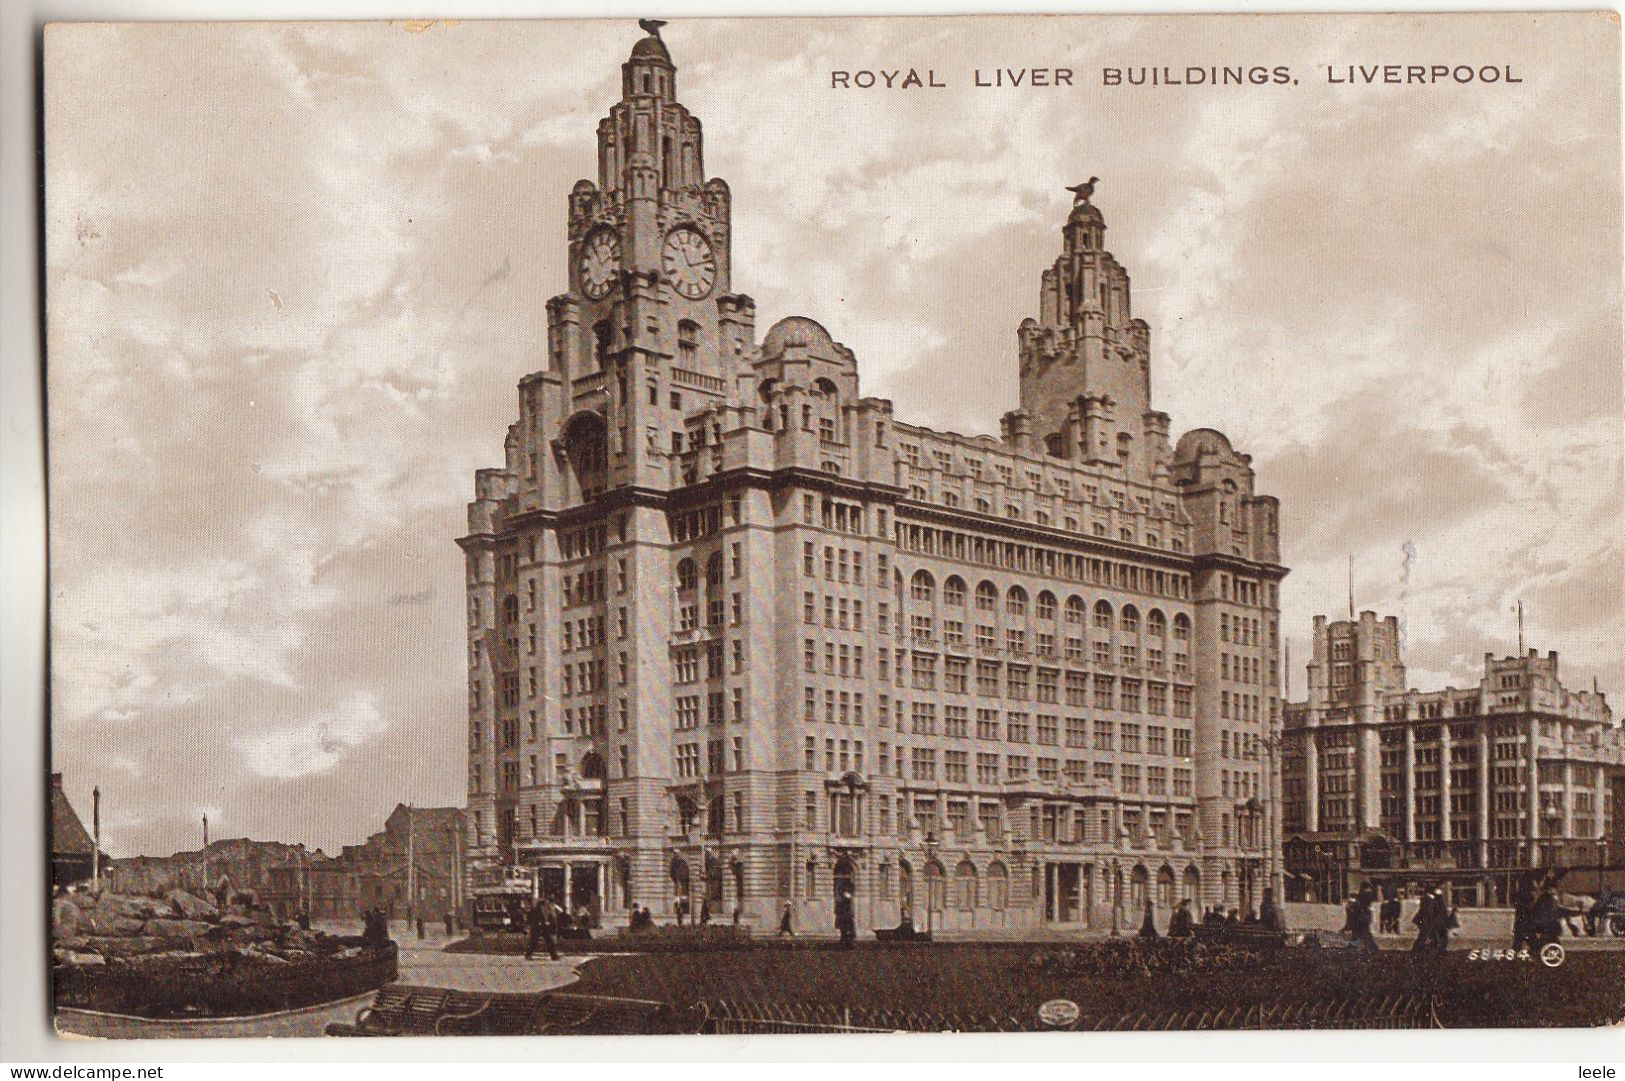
[650,315]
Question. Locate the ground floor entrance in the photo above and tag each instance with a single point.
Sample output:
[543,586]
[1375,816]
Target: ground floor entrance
[579,886]
[1068,892]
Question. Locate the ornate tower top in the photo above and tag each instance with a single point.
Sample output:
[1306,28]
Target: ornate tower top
[1085,361]
[649,71]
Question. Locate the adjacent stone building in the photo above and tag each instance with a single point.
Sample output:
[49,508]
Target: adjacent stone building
[737,632]
[1462,788]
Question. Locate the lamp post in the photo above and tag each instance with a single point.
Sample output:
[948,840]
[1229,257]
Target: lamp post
[930,845]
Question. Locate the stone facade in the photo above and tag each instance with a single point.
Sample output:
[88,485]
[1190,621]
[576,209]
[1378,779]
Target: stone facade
[1465,786]
[737,632]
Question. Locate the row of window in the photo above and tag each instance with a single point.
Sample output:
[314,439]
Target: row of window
[1032,559]
[922,589]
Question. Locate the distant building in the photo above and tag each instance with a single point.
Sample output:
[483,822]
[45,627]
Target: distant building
[419,851]
[237,865]
[318,885]
[1464,788]
[73,852]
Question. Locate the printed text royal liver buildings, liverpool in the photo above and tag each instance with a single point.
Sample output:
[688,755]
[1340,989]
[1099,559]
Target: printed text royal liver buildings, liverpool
[738,633]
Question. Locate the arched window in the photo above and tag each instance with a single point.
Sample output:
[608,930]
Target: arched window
[1046,606]
[1192,886]
[825,385]
[987,597]
[1138,887]
[688,343]
[1156,624]
[592,766]
[1015,602]
[922,588]
[1103,616]
[510,609]
[998,886]
[713,570]
[1130,620]
[1076,610]
[935,886]
[586,441]
[687,575]
[953,591]
[1165,887]
[1182,628]
[965,886]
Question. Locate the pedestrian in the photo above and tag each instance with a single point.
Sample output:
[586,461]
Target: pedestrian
[543,927]
[448,923]
[1423,922]
[1388,915]
[1148,926]
[648,918]
[1360,922]
[304,919]
[845,920]
[1545,919]
[739,913]
[1268,914]
[1522,923]
[1233,919]
[787,920]
[1179,924]
[682,909]
[705,911]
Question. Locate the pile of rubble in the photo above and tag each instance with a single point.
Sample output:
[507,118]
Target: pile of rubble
[95,929]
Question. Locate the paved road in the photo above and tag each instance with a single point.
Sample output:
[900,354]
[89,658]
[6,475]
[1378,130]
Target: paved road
[421,962]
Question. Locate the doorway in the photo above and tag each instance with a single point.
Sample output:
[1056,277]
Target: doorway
[584,891]
[845,877]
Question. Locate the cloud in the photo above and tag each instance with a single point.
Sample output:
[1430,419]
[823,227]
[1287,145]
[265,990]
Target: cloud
[315,744]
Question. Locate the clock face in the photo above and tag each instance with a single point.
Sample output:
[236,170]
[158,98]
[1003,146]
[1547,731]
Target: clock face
[600,262]
[689,263]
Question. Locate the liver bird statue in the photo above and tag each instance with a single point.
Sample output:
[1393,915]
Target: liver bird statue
[1082,192]
[652,27]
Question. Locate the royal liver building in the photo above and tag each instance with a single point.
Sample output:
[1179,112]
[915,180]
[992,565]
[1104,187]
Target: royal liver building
[738,633]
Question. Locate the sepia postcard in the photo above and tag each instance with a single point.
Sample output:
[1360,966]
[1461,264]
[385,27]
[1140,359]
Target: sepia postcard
[839,525]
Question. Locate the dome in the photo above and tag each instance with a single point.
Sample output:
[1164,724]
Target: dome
[796,331]
[1086,212]
[651,48]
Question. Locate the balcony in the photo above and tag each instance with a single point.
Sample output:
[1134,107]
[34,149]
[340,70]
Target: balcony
[682,377]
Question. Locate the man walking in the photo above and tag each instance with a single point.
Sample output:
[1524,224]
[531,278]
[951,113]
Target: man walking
[1360,922]
[787,920]
[544,925]
[845,920]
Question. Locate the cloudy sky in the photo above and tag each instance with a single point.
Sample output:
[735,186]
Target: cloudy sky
[295,272]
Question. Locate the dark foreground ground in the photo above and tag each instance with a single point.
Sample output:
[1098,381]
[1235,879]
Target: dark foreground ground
[995,979]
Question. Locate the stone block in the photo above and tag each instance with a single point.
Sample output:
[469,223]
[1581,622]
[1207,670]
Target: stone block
[168,928]
[190,905]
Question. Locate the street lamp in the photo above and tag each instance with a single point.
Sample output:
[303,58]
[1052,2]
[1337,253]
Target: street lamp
[930,844]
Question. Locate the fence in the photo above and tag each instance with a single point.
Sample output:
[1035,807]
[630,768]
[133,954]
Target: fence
[1362,1012]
